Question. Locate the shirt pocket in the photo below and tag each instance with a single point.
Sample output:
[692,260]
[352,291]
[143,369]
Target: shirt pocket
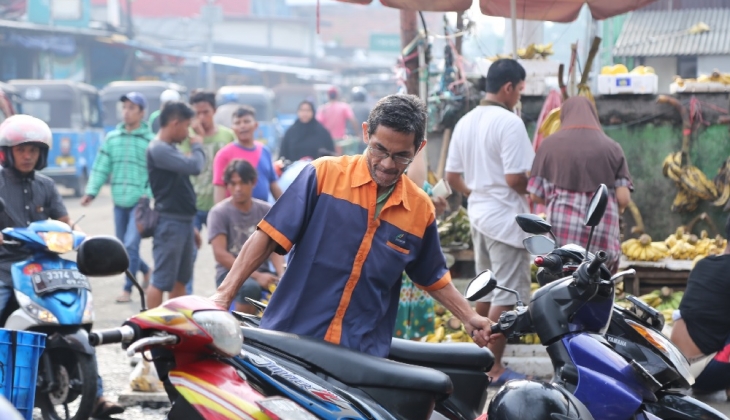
[398,248]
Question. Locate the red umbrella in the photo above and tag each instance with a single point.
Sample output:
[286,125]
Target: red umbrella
[558,10]
[422,5]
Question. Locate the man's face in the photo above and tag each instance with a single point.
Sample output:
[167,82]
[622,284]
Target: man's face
[132,113]
[513,93]
[386,171]
[204,112]
[179,130]
[25,157]
[241,192]
[244,127]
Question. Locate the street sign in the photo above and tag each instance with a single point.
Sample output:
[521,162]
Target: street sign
[211,13]
[385,43]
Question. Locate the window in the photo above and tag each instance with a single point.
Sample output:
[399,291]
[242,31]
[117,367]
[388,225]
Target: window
[57,114]
[687,66]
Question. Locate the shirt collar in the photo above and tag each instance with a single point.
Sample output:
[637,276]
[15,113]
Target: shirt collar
[361,176]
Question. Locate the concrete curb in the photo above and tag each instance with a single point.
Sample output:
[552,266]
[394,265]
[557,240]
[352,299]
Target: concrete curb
[528,359]
[128,398]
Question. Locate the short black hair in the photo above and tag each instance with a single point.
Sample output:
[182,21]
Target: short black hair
[402,113]
[243,168]
[203,96]
[503,71]
[243,111]
[175,110]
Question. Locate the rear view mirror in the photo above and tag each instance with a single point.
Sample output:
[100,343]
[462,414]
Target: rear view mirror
[480,286]
[597,206]
[539,245]
[102,256]
[532,223]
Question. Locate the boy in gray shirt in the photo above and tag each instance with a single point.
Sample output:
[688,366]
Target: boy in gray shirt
[169,175]
[231,222]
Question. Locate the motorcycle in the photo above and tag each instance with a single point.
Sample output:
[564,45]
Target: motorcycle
[51,296]
[571,316]
[629,327]
[192,341]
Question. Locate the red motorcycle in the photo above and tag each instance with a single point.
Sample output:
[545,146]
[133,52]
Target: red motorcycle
[191,340]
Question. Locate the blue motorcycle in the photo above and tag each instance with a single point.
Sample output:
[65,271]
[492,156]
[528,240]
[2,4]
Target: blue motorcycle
[571,316]
[52,297]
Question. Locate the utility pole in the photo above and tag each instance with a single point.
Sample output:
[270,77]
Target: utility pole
[210,70]
[459,29]
[409,32]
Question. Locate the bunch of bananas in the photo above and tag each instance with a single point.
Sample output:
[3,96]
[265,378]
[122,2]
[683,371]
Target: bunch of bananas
[531,338]
[455,229]
[722,183]
[683,246]
[706,247]
[692,184]
[532,51]
[618,69]
[448,328]
[643,249]
[665,300]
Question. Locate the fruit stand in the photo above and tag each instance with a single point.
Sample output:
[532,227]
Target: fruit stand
[653,275]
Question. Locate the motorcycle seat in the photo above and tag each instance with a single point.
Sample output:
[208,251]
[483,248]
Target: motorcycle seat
[464,355]
[348,366]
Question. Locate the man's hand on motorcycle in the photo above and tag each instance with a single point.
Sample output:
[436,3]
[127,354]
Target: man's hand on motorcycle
[480,330]
[221,300]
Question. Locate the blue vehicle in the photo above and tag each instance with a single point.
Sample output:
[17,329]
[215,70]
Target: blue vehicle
[229,98]
[52,297]
[72,111]
[571,317]
[151,89]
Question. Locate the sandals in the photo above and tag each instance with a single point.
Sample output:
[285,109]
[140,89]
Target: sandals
[124,298]
[507,375]
[104,409]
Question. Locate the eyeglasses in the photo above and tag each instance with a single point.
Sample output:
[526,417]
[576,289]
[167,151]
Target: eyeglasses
[380,154]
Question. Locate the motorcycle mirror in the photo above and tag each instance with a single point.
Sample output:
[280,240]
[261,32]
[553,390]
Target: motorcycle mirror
[597,206]
[104,256]
[532,223]
[539,245]
[480,286]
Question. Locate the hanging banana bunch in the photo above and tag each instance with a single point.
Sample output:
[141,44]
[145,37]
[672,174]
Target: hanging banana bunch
[722,183]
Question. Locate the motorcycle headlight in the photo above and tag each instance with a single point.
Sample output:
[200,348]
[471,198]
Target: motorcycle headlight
[667,348]
[58,242]
[223,328]
[33,309]
[88,310]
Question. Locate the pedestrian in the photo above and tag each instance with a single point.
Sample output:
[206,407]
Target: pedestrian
[491,149]
[175,236]
[122,157]
[355,223]
[335,114]
[569,166]
[168,95]
[307,137]
[30,197]
[701,328]
[215,137]
[230,223]
[245,148]
[361,107]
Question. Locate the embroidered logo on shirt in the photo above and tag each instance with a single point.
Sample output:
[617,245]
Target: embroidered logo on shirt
[399,240]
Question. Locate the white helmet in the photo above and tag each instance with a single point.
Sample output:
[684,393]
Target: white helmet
[169,95]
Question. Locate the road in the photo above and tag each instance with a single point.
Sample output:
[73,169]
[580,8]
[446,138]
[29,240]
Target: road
[113,363]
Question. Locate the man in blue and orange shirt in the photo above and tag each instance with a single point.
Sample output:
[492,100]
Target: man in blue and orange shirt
[353,224]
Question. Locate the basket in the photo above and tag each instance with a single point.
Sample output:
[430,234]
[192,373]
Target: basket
[20,352]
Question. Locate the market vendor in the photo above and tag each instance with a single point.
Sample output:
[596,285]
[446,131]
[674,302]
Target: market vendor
[353,224]
[568,168]
[701,328]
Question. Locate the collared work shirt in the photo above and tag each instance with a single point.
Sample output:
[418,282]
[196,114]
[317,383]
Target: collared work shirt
[343,280]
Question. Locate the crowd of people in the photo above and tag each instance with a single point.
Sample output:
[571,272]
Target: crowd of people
[372,210]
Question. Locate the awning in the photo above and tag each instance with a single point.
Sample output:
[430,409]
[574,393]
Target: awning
[302,72]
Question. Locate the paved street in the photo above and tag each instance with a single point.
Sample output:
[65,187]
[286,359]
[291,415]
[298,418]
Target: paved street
[113,363]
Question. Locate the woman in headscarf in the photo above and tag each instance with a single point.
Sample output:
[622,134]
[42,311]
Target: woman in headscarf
[568,168]
[307,137]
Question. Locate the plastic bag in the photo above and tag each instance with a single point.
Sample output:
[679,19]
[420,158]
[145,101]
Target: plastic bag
[144,378]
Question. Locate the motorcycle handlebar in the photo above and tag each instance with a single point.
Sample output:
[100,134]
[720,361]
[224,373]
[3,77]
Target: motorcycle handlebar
[595,265]
[496,329]
[116,335]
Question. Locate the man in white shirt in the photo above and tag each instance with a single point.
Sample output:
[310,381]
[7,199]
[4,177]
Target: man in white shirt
[491,149]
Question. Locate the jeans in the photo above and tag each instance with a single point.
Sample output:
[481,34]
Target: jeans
[6,292]
[201,218]
[126,231]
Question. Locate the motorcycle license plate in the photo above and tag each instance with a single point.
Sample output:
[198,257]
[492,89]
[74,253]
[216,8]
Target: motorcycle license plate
[282,409]
[50,280]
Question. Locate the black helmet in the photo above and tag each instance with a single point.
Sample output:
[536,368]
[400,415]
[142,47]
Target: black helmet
[359,94]
[522,399]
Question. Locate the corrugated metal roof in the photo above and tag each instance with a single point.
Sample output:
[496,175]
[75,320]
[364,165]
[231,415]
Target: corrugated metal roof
[665,33]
